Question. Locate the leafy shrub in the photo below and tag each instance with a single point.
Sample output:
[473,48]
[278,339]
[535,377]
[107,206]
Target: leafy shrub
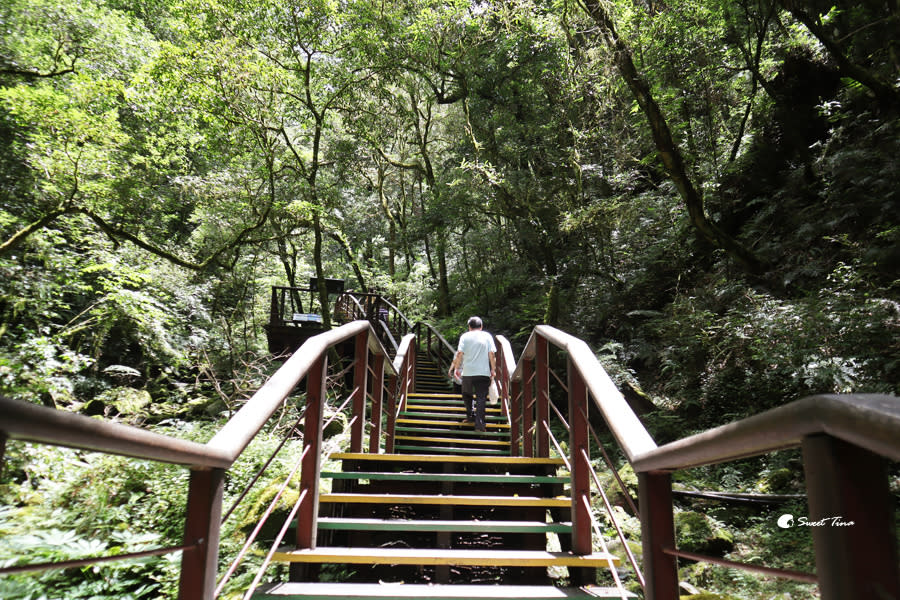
[721,351]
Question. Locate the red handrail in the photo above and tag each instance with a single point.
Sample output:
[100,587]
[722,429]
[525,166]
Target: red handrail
[209,462]
[845,440]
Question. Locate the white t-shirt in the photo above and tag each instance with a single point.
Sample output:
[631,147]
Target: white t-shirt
[476,346]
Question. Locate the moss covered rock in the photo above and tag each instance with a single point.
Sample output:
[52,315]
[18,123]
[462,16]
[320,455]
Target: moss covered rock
[697,532]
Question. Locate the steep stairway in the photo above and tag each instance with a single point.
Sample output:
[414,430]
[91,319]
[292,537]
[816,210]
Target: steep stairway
[433,419]
[450,516]
[433,424]
[429,376]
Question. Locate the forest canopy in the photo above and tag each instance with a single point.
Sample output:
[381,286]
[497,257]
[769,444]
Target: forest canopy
[707,192]
[687,180]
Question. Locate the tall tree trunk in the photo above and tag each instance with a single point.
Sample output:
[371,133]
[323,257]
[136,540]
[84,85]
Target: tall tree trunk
[320,271]
[665,145]
[392,226]
[348,251]
[443,307]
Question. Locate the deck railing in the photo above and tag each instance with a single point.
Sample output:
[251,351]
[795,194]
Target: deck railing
[209,462]
[432,343]
[846,441]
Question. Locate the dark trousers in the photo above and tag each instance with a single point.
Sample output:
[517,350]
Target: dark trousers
[478,386]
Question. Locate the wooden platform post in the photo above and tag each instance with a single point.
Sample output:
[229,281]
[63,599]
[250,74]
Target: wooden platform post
[542,369]
[360,387]
[204,515]
[657,535]
[852,508]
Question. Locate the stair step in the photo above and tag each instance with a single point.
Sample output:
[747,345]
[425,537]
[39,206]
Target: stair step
[455,441]
[519,501]
[446,423]
[445,556]
[450,418]
[447,408]
[448,450]
[354,524]
[397,591]
[509,460]
[455,477]
[421,398]
[454,431]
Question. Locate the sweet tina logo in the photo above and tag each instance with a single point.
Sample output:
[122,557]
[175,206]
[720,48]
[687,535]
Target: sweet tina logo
[787,521]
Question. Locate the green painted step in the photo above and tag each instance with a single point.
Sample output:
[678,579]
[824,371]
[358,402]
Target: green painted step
[335,523]
[437,401]
[454,431]
[452,423]
[406,591]
[447,450]
[456,441]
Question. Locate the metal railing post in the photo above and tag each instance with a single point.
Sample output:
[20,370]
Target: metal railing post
[515,416]
[360,380]
[393,391]
[542,368]
[579,451]
[377,397]
[852,507]
[657,535]
[312,457]
[411,372]
[204,514]
[527,408]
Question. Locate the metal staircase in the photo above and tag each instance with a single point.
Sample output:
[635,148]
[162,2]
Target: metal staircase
[451,515]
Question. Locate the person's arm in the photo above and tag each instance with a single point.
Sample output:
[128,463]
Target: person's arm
[493,359]
[455,364]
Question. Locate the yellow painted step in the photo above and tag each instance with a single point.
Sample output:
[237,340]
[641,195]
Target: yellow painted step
[447,423]
[442,556]
[429,591]
[521,501]
[505,460]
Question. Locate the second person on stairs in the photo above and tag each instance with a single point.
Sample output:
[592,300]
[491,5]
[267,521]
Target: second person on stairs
[475,361]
